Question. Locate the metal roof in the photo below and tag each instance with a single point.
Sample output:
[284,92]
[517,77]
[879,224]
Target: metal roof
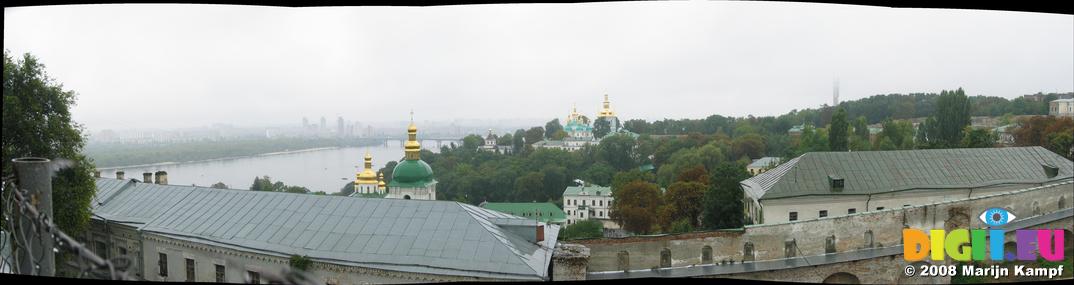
[434,237]
[764,162]
[549,212]
[588,190]
[871,172]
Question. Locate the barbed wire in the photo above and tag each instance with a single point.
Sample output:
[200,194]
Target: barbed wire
[15,241]
[74,254]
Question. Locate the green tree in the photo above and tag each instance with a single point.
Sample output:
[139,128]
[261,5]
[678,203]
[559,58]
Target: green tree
[518,140]
[617,151]
[346,190]
[601,127]
[600,174]
[723,201]
[682,202]
[837,133]
[300,262]
[471,142]
[1062,141]
[534,134]
[559,135]
[952,117]
[529,187]
[861,128]
[551,128]
[37,122]
[220,185]
[582,230]
[751,145]
[637,206]
[389,168]
[624,177]
[978,138]
[681,226]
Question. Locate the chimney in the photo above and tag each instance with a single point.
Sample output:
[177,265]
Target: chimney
[96,174]
[119,175]
[162,177]
[147,177]
[540,233]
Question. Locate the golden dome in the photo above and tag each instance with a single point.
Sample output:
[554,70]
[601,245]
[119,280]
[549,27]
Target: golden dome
[380,180]
[607,110]
[367,176]
[412,147]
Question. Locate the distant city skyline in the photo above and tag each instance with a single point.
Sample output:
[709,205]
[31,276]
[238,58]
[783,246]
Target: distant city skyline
[149,66]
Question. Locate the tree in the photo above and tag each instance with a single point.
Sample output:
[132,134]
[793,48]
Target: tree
[551,128]
[861,128]
[346,190]
[471,142]
[559,135]
[617,151]
[388,169]
[518,140]
[220,185]
[600,174]
[637,206]
[682,202]
[723,200]
[582,230]
[601,127]
[751,145]
[37,122]
[621,179]
[505,139]
[837,133]
[978,138]
[529,187]
[300,262]
[952,117]
[693,174]
[534,134]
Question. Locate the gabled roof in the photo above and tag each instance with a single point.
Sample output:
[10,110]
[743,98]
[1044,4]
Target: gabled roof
[871,172]
[434,237]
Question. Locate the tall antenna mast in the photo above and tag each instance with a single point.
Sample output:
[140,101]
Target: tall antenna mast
[835,93]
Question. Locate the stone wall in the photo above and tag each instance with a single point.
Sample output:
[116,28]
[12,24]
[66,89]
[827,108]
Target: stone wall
[819,236]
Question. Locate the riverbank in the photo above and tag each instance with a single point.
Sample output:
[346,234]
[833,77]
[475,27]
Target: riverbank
[217,159]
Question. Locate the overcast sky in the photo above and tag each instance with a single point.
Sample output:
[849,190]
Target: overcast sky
[137,66]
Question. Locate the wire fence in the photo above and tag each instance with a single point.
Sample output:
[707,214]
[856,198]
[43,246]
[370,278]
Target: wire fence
[23,227]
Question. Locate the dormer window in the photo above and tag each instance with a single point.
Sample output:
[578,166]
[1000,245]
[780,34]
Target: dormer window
[835,182]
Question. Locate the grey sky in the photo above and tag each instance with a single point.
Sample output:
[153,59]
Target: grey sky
[188,65]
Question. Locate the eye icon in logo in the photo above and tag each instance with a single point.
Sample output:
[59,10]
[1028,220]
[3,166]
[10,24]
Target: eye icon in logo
[995,217]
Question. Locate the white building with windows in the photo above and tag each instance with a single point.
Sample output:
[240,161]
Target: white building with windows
[1061,107]
[589,202]
[829,184]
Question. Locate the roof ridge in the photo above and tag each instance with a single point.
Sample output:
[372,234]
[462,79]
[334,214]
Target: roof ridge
[512,250]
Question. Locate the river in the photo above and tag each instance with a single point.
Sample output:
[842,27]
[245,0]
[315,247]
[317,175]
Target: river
[319,170]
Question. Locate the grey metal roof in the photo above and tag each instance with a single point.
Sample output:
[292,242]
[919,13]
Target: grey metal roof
[764,162]
[435,237]
[590,190]
[870,172]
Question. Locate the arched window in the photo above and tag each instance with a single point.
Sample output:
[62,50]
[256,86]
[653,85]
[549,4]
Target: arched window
[665,258]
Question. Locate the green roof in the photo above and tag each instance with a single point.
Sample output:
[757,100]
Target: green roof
[549,212]
[411,173]
[872,172]
[588,190]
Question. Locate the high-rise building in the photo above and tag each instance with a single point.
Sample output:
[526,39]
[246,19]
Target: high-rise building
[339,127]
[835,93]
[324,124]
[305,123]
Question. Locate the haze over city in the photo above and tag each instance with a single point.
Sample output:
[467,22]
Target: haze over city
[139,66]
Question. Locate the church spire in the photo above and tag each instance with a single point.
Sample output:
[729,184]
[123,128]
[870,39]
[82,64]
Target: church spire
[412,147]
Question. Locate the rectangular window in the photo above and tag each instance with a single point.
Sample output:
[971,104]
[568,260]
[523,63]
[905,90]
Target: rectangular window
[163,264]
[190,270]
[823,213]
[122,251]
[255,278]
[879,208]
[102,249]
[220,273]
[583,202]
[851,211]
[794,216]
[602,203]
